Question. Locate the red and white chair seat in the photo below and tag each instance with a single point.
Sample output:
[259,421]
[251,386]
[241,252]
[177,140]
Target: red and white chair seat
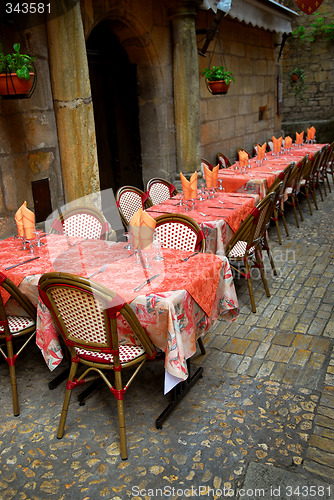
[17,324]
[127,353]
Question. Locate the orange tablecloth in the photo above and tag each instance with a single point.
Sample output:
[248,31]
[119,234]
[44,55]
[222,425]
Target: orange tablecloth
[258,178]
[176,308]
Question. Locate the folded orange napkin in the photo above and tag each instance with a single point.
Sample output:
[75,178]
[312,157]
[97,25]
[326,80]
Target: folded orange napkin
[243,158]
[261,151]
[28,219]
[310,133]
[288,142]
[277,144]
[19,220]
[189,187]
[142,229]
[211,176]
[299,137]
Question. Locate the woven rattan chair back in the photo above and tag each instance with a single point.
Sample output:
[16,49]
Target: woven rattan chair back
[279,186]
[293,185]
[180,232]
[160,190]
[129,199]
[82,222]
[223,161]
[15,327]
[248,242]
[86,314]
[320,171]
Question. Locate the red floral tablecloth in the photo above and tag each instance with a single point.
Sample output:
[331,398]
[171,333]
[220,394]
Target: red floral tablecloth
[176,308]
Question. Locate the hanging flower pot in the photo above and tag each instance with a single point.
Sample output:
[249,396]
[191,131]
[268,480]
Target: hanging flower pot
[217,79]
[12,85]
[17,74]
[308,6]
[218,87]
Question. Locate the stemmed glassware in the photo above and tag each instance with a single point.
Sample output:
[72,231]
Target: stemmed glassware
[157,248]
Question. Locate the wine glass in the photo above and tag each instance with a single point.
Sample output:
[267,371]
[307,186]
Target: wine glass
[157,248]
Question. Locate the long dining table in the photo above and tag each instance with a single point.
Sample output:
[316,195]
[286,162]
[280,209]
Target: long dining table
[187,295]
[219,217]
[257,178]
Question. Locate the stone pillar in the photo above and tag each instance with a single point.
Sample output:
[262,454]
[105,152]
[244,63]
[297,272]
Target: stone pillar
[186,84]
[73,103]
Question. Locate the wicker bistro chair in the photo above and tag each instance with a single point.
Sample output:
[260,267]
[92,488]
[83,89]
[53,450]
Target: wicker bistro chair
[307,184]
[320,172]
[14,328]
[129,199]
[86,313]
[279,186]
[245,248]
[293,187]
[330,161]
[223,161]
[160,190]
[82,222]
[180,232]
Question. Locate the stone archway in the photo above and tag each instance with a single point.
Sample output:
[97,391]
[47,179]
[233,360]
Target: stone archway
[154,84]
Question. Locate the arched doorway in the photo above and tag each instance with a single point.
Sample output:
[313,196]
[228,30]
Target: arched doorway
[114,90]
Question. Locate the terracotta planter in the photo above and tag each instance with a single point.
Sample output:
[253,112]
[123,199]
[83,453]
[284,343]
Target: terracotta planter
[11,84]
[218,87]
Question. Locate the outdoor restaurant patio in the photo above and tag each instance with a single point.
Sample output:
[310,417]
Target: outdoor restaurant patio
[265,398]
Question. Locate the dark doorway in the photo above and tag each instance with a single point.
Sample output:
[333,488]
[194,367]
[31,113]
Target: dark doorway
[114,90]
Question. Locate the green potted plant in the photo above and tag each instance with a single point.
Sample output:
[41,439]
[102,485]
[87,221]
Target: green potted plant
[218,79]
[16,72]
[297,82]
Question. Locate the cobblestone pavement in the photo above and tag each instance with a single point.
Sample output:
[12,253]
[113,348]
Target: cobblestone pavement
[267,396]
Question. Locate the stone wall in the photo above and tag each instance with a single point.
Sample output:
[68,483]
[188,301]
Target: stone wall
[316,59]
[28,140]
[233,120]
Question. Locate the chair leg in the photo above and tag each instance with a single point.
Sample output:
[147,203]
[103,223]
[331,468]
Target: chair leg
[299,209]
[261,267]
[314,197]
[15,398]
[275,218]
[271,260]
[295,211]
[320,190]
[250,288]
[284,222]
[308,200]
[12,373]
[121,417]
[68,393]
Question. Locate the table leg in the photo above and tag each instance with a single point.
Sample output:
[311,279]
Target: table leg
[178,392]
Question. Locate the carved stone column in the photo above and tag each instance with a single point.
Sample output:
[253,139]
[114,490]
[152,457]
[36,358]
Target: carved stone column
[73,104]
[186,84]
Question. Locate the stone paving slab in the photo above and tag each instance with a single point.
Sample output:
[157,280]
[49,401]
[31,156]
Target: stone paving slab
[266,398]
